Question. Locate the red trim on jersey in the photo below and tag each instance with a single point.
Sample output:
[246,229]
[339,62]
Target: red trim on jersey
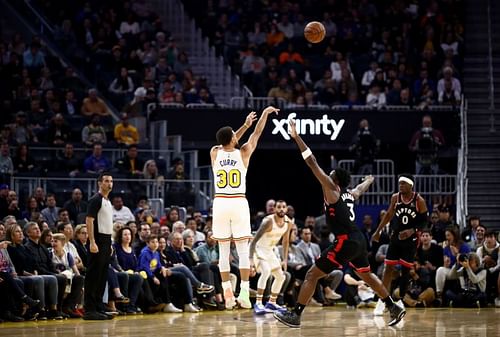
[391,262]
[405,263]
[230,196]
[360,270]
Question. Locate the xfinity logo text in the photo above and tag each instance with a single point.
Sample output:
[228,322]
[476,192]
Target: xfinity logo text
[323,126]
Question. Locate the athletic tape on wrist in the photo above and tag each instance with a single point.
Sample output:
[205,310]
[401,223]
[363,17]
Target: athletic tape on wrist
[306,153]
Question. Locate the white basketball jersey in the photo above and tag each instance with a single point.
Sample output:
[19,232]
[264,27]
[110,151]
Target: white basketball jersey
[270,239]
[229,174]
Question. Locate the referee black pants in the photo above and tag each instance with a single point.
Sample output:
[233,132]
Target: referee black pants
[97,273]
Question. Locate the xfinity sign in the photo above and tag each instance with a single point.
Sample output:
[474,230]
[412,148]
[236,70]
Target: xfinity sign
[323,126]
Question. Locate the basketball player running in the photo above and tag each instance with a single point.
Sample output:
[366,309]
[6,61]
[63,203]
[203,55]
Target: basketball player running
[411,215]
[273,228]
[349,245]
[231,214]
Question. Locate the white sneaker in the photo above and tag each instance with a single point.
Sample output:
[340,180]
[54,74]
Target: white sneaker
[229,299]
[171,308]
[401,304]
[244,299]
[379,308]
[333,296]
[497,302]
[190,308]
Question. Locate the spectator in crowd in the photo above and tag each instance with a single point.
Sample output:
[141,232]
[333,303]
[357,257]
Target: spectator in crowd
[179,190]
[449,96]
[375,98]
[6,164]
[131,164]
[31,207]
[12,206]
[59,132]
[68,161]
[22,132]
[33,59]
[368,77]
[454,83]
[40,197]
[198,236]
[489,255]
[365,147]
[82,244]
[444,222]
[208,251]
[23,162]
[76,205]
[472,278]
[469,234]
[480,238]
[357,294]
[140,239]
[70,106]
[135,108]
[150,171]
[65,265]
[121,213]
[125,133]
[50,213]
[94,132]
[454,247]
[122,87]
[93,105]
[426,143]
[96,162]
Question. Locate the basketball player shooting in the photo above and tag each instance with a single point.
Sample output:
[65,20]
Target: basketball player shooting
[231,214]
[349,245]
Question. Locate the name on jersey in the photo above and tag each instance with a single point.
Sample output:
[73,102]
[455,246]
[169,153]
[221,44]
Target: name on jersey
[406,211]
[347,196]
[323,126]
[228,162]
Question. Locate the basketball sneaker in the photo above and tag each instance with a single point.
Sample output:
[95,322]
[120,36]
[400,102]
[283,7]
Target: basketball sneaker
[272,307]
[244,299]
[259,309]
[397,314]
[229,299]
[379,308]
[289,318]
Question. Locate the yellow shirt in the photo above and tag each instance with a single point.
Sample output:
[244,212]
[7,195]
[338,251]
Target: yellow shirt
[126,135]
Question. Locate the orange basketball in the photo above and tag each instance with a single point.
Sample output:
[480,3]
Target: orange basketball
[314,32]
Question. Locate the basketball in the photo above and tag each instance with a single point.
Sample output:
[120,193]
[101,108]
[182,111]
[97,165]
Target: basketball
[314,32]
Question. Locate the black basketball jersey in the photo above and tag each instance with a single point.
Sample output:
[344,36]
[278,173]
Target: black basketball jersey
[406,213]
[340,215]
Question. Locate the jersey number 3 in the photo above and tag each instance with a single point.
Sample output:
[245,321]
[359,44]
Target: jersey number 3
[351,210]
[231,178]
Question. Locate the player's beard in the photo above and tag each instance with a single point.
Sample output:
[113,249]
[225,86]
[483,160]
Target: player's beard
[280,214]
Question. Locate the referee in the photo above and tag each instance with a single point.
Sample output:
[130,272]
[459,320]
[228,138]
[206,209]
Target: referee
[99,222]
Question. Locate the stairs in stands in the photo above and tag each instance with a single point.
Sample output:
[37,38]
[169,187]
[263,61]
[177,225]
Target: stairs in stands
[483,115]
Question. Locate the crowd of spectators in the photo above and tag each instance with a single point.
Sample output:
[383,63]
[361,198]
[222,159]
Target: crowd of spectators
[122,46]
[170,263]
[374,53]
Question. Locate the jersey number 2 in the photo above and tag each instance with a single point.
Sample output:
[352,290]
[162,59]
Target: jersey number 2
[231,178]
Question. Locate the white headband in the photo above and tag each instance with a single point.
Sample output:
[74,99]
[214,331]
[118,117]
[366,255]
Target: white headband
[406,180]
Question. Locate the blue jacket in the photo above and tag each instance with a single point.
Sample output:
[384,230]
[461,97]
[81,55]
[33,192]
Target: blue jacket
[149,262]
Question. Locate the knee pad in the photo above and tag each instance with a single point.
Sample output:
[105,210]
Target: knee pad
[224,251]
[265,272]
[242,247]
[279,278]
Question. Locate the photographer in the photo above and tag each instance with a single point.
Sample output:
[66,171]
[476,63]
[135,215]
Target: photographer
[426,143]
[472,280]
[365,147]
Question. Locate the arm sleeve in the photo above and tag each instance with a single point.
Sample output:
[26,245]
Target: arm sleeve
[94,206]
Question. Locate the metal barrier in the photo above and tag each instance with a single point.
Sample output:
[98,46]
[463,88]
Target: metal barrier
[130,189]
[379,192]
[382,166]
[257,103]
[462,168]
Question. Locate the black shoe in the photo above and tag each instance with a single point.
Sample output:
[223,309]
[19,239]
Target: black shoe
[8,316]
[30,302]
[210,302]
[397,314]
[94,316]
[42,316]
[55,314]
[289,318]
[108,316]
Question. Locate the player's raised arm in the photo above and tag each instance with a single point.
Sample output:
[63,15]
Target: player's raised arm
[248,148]
[325,181]
[387,217]
[363,187]
[252,117]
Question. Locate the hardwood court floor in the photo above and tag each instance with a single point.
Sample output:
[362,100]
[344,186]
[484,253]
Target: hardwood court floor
[317,322]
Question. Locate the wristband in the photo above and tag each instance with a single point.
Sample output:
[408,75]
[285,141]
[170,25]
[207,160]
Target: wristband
[306,153]
[246,125]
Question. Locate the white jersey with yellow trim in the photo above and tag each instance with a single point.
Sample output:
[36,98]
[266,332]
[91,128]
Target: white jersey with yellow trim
[270,239]
[229,173]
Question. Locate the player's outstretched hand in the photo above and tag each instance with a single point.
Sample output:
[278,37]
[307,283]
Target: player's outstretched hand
[270,109]
[369,177]
[252,117]
[292,129]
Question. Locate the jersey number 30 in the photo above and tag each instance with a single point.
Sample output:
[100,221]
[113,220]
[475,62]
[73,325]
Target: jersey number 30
[231,178]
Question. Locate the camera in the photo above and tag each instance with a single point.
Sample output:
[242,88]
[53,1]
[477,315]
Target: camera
[463,257]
